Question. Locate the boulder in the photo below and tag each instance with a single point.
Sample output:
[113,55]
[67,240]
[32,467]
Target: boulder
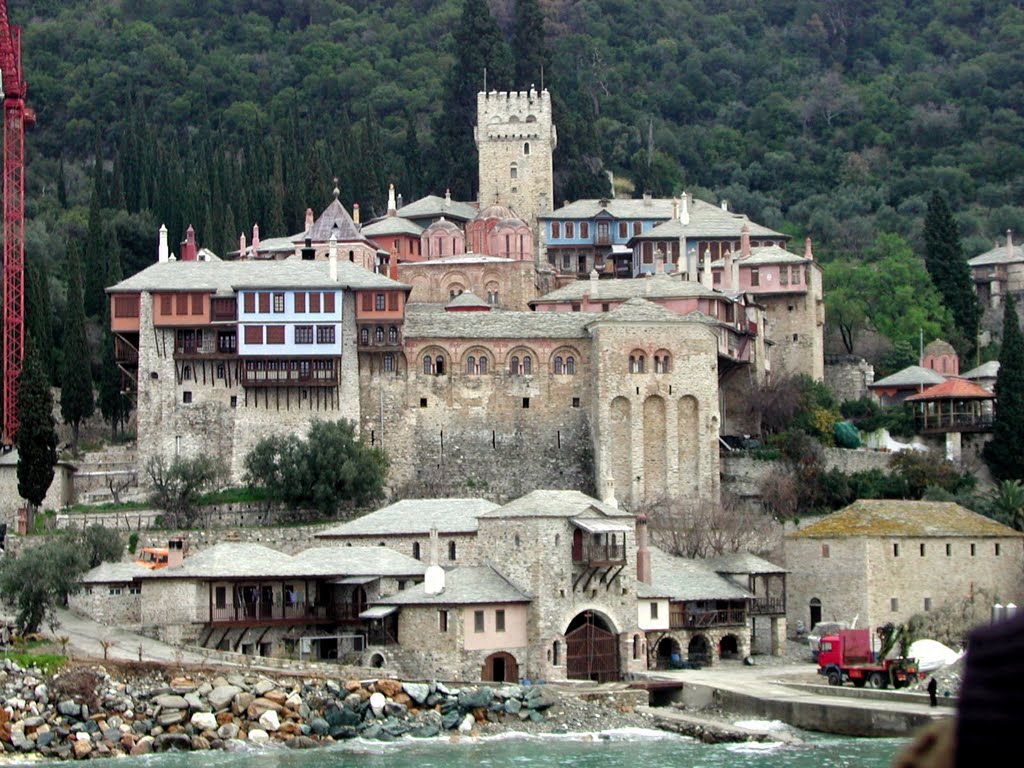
[241,702]
[425,731]
[418,692]
[172,742]
[82,749]
[222,696]
[512,706]
[263,686]
[257,736]
[395,709]
[204,721]
[276,696]
[388,687]
[320,726]
[302,742]
[69,708]
[143,746]
[261,705]
[377,702]
[294,702]
[269,721]
[466,726]
[481,697]
[539,697]
[200,743]
[171,717]
[196,702]
[170,701]
[227,731]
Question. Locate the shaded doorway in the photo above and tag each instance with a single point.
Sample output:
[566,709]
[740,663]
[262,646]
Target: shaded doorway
[500,668]
[729,647]
[668,654]
[698,651]
[815,612]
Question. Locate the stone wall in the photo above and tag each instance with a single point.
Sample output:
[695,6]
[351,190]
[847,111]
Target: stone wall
[795,324]
[848,376]
[837,577]
[742,474]
[169,608]
[466,549]
[516,282]
[113,605]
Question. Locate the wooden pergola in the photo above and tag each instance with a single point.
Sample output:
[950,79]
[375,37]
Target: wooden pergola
[955,405]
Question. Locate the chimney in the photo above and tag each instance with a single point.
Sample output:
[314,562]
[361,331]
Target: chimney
[308,252]
[725,205]
[659,261]
[684,213]
[808,253]
[643,552]
[241,246]
[392,203]
[609,494]
[355,213]
[433,578]
[255,239]
[447,196]
[188,245]
[309,219]
[647,199]
[332,257]
[594,277]
[727,271]
[175,552]
[162,251]
[675,208]
[1009,243]
[705,273]
[400,202]
[745,241]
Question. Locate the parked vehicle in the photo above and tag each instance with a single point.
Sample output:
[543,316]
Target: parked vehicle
[820,630]
[153,557]
[847,655]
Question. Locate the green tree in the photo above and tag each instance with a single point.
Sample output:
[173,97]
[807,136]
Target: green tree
[1007,504]
[100,545]
[76,396]
[113,404]
[944,258]
[39,312]
[178,486]
[480,53]
[330,468]
[96,245]
[1005,451]
[38,580]
[529,44]
[846,304]
[37,439]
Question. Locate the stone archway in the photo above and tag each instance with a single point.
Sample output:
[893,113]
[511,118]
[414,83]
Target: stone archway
[729,647]
[500,667]
[668,654]
[699,650]
[591,648]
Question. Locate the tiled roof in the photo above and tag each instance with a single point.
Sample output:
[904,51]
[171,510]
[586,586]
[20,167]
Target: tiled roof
[683,579]
[228,560]
[654,287]
[742,562]
[431,321]
[335,221]
[938,347]
[987,370]
[911,376]
[392,225]
[430,206]
[706,220]
[463,585]
[415,517]
[356,561]
[113,573]
[210,276]
[953,389]
[467,299]
[619,208]
[545,503]
[773,254]
[886,517]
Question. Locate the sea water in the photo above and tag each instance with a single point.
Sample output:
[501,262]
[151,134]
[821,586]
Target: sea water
[625,748]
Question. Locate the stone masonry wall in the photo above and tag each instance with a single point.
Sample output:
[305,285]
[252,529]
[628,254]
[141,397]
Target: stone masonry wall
[742,474]
[466,549]
[97,603]
[839,581]
[848,377]
[516,282]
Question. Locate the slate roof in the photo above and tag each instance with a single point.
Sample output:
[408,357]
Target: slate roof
[467,299]
[465,585]
[415,516]
[998,255]
[638,311]
[335,220]
[545,503]
[113,573]
[911,376]
[773,254]
[989,370]
[225,276]
[888,517]
[432,205]
[431,321]
[953,389]
[356,561]
[742,562]
[655,287]
[683,579]
[392,225]
[706,220]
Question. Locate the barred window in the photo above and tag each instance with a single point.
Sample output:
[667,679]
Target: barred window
[325,334]
[303,334]
[392,335]
[364,336]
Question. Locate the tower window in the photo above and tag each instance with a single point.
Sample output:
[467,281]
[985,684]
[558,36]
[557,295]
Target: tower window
[526,147]
[514,171]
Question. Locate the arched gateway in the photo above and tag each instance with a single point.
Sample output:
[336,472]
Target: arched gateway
[591,648]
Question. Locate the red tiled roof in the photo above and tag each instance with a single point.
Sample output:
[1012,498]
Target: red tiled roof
[954,389]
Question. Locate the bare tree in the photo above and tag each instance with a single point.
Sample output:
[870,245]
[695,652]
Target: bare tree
[700,528]
[117,487]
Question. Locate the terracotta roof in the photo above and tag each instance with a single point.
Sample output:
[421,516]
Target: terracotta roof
[894,517]
[954,389]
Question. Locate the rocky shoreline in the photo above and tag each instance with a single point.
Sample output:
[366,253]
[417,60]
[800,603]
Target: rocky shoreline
[85,712]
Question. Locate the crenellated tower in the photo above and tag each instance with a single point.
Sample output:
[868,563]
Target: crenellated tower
[515,139]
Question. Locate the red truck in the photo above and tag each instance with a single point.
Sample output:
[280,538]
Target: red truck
[848,656]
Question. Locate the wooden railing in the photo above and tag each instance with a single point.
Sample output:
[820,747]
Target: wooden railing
[696,619]
[767,606]
[258,612]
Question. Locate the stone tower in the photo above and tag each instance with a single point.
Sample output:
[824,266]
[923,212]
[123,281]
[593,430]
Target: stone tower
[515,140]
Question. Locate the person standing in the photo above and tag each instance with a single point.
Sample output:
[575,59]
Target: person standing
[933,688]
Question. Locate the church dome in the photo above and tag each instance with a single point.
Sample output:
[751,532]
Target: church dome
[442,225]
[496,211]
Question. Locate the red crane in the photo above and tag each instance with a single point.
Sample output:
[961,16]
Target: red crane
[16,118]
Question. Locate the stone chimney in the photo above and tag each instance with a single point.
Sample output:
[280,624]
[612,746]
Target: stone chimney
[255,240]
[594,277]
[643,551]
[332,257]
[725,205]
[163,253]
[433,577]
[609,494]
[808,252]
[400,202]
[355,214]
[175,552]
[241,247]
[447,196]
[684,212]
[745,241]
[189,252]
[727,263]
[1009,243]
[392,203]
[659,261]
[706,278]
[309,219]
[675,208]
[647,199]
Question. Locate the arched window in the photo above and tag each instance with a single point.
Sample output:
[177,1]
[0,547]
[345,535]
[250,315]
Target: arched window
[513,366]
[470,364]
[664,364]
[364,336]
[439,366]
[636,363]
[389,362]
[481,365]
[392,335]
[527,365]
[526,147]
[428,365]
[570,365]
[378,334]
[451,550]
[186,373]
[556,655]
[416,550]
[558,365]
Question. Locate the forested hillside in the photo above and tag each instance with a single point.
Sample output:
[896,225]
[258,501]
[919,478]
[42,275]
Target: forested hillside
[836,119]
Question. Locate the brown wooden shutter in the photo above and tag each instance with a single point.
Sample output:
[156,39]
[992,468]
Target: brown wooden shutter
[367,302]
[393,301]
[254,334]
[314,301]
[300,301]
[250,302]
[264,302]
[329,301]
[275,334]
[181,304]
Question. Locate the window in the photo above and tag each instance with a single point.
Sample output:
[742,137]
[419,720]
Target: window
[451,550]
[783,275]
[654,610]
[114,591]
[442,621]
[264,303]
[570,229]
[234,401]
[439,365]
[181,304]
[220,597]
[197,303]
[556,230]
[279,302]
[186,373]
[526,402]
[559,365]
[949,550]
[227,341]
[220,370]
[513,171]
[126,306]
[575,402]
[378,334]
[379,302]
[470,364]
[894,604]
[392,334]
[186,397]
[526,147]
[999,549]
[416,550]
[636,363]
[584,229]
[527,365]
[556,655]
[755,276]
[972,550]
[825,552]
[275,334]
[895,550]
[325,334]
[922,549]
[364,337]
[478,621]
[303,334]
[367,302]
[314,302]
[428,364]
[623,229]
[637,227]
[134,590]
[165,304]
[499,620]
[389,362]
[661,364]
[927,603]
[300,302]
[423,402]
[250,302]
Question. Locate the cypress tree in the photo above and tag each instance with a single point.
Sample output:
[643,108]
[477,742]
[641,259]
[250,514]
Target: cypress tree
[39,313]
[95,245]
[944,258]
[37,439]
[532,60]
[478,47]
[412,160]
[113,404]
[76,396]
[1005,452]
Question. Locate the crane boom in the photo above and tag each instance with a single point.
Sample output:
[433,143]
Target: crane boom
[16,118]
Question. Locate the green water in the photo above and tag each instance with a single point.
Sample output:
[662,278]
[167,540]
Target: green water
[614,749]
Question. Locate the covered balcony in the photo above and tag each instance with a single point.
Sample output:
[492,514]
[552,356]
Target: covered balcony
[955,405]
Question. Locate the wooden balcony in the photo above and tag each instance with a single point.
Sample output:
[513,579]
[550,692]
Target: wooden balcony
[767,606]
[599,554]
[681,618]
[260,614]
[288,376]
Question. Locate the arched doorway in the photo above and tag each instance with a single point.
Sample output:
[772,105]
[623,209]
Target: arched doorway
[729,647]
[668,654]
[591,649]
[698,651]
[500,668]
[815,612]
